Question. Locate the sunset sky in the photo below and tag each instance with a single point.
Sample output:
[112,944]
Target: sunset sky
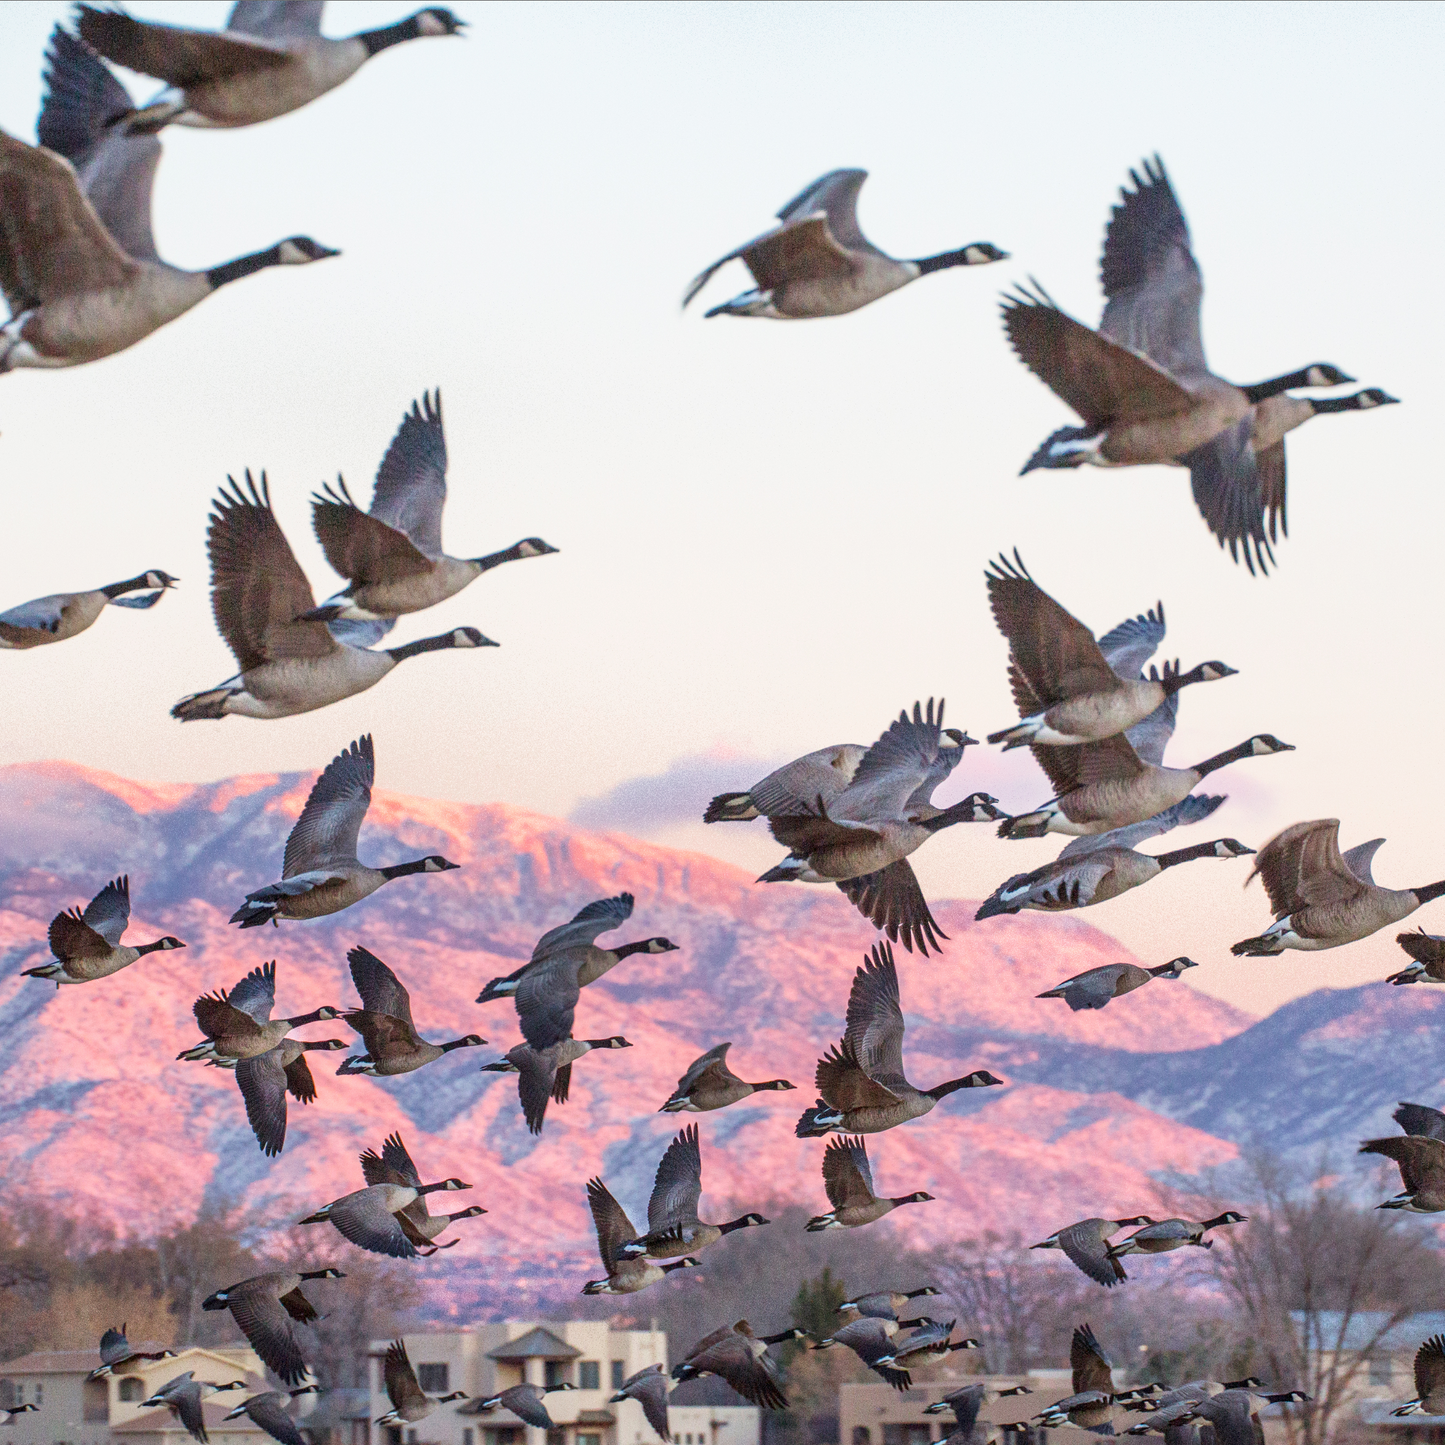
[773,534]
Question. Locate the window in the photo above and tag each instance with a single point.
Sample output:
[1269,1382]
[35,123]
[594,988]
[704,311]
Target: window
[589,1440]
[411,1437]
[556,1437]
[905,1435]
[861,1435]
[619,1374]
[589,1375]
[393,1435]
[95,1402]
[39,1393]
[433,1379]
[132,1388]
[558,1372]
[502,1437]
[1382,1370]
[10,1394]
[466,1437]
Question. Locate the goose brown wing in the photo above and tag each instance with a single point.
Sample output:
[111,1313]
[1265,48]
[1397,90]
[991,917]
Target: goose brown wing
[326,833]
[754,1377]
[108,912]
[1108,760]
[1089,1363]
[385,1036]
[536,1078]
[649,1388]
[893,769]
[892,900]
[874,1026]
[1086,1247]
[1301,867]
[266,1323]
[546,1001]
[269,1413]
[71,938]
[262,1082]
[803,250]
[678,1184]
[1421,1159]
[836,195]
[299,1083]
[173,53]
[1229,491]
[584,927]
[401,1383]
[613,1226]
[847,1178]
[392,1166]
[841,1081]
[411,483]
[255,995]
[382,992]
[1421,1120]
[359,546]
[711,1066]
[1430,1368]
[218,1019]
[364,1219]
[805,834]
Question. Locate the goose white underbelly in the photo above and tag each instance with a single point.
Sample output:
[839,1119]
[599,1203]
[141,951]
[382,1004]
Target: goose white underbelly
[301,684]
[87,325]
[873,278]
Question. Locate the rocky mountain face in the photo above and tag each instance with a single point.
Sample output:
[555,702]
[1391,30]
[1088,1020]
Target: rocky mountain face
[98,1115]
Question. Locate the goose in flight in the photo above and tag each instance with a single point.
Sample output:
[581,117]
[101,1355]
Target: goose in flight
[1160,1236]
[238,1024]
[1142,386]
[394,1166]
[115,1353]
[1234,1415]
[182,1397]
[1322,898]
[817,262]
[87,946]
[871,1339]
[320,873]
[392,555]
[886,1304]
[1095,987]
[64,615]
[409,1402]
[614,1229]
[1427,952]
[260,596]
[1421,1161]
[1091,1406]
[266,1079]
[740,1358]
[546,1074]
[848,1183]
[1429,1380]
[1086,1245]
[709,1084]
[384,1022]
[864,1089]
[527,1403]
[858,832]
[268,1412]
[649,1388]
[264,1308]
[271,59]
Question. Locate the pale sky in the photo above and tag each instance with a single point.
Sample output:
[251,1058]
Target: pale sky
[772,534]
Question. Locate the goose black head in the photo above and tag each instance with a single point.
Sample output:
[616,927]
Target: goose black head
[437,864]
[157,578]
[1231,848]
[1263,744]
[918,1197]
[470,1212]
[660,945]
[438,20]
[169,942]
[301,251]
[1228,1217]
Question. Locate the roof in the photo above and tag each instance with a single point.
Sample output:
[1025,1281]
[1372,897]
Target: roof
[536,1344]
[1363,1330]
[82,1362]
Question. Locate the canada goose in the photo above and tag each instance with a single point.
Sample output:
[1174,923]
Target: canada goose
[1101,866]
[965,1403]
[9,1412]
[673,1227]
[861,1079]
[73,292]
[393,554]
[260,596]
[1141,383]
[409,1402]
[393,1045]
[860,837]
[320,872]
[1428,952]
[1421,1160]
[1087,1245]
[614,1229]
[527,1404]
[270,60]
[62,616]
[264,1307]
[115,1351]
[1162,1235]
[1234,1417]
[1322,898]
[544,1074]
[1429,1380]
[649,1388]
[886,1304]
[871,1339]
[1091,1406]
[848,1183]
[817,262]
[1073,690]
[238,1024]
[709,1084]
[1101,786]
[394,1166]
[1420,1119]
[1097,986]
[266,1079]
[824,773]
[740,1358]
[87,945]
[1170,1410]
[267,1411]
[930,1338]
[182,1397]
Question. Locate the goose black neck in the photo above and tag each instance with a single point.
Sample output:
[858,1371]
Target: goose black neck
[675,1264]
[431,1188]
[311,1018]
[1185,855]
[962,811]
[1322,406]
[403,870]
[119,589]
[733,1224]
[942,1091]
[1222,760]
[626,950]
[1430,891]
[1160,970]
[315,1274]
[229,271]
[942,261]
[782,1337]
[415,649]
[1277,385]
[458,1044]
[495,559]
[145,948]
[388,35]
[778,1084]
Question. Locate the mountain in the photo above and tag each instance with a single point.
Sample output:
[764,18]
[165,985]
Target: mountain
[1098,1106]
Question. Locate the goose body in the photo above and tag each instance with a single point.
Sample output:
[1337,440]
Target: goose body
[1160,1236]
[264,1308]
[238,1024]
[930,1338]
[1091,1406]
[1429,1380]
[527,1403]
[1427,954]
[384,1022]
[394,1166]
[649,1388]
[409,1402]
[966,1404]
[64,615]
[266,1078]
[848,1183]
[709,1084]
[1233,1414]
[546,1074]
[624,1275]
[1322,898]
[1095,988]
[87,946]
[1421,1161]
[1086,1245]
[115,1353]
[183,1395]
[268,1411]
[740,1358]
[369,1217]
[871,1339]
[270,60]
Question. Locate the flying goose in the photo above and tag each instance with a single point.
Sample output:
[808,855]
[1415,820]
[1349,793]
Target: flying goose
[1141,383]
[965,1403]
[649,1388]
[393,1045]
[392,555]
[260,596]
[740,1358]
[264,1081]
[1322,898]
[73,292]
[1101,866]
[320,872]
[238,1024]
[1234,1416]
[409,1402]
[270,60]
[709,1084]
[182,1397]
[817,262]
[860,838]
[861,1079]
[1097,986]
[267,1411]
[1429,1380]
[1428,952]
[1086,1244]
[1091,1406]
[886,1304]
[614,1229]
[673,1227]
[1168,1407]
[526,1403]
[264,1307]
[115,1352]
[394,1166]
[1077,690]
[930,1338]
[824,773]
[61,616]
[848,1182]
[546,1074]
[9,1412]
[1162,1235]
[368,1217]
[870,1337]
[87,945]
[1421,1160]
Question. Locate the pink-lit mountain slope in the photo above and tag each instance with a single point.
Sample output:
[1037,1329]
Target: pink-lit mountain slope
[97,1113]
